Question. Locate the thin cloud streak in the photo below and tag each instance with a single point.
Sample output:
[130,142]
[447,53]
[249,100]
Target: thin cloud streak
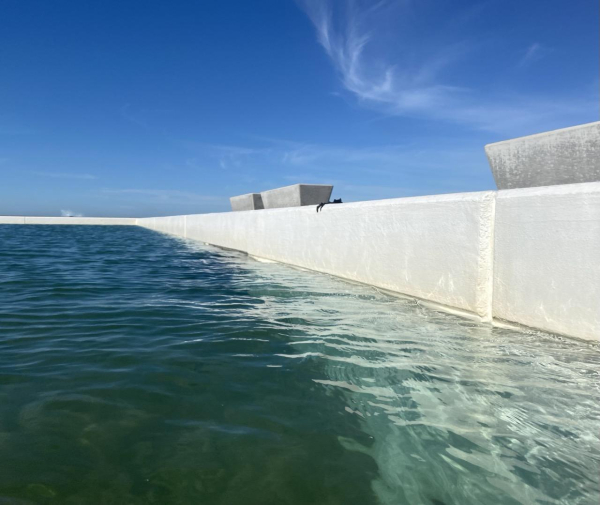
[534,52]
[314,163]
[404,89]
[66,175]
[163,195]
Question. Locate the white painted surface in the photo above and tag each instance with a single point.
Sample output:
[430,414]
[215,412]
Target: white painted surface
[81,220]
[12,220]
[174,225]
[68,220]
[547,258]
[437,248]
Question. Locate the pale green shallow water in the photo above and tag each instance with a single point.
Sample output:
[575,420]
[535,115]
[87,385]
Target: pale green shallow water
[139,368]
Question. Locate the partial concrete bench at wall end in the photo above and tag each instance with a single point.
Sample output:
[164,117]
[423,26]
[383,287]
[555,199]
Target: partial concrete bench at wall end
[566,156]
[250,201]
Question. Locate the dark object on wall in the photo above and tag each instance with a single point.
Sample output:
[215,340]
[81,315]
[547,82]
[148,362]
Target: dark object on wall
[321,205]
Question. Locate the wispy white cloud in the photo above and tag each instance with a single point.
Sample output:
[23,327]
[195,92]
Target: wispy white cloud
[163,195]
[293,154]
[153,202]
[146,118]
[228,156]
[406,84]
[269,162]
[401,88]
[136,118]
[533,53]
[65,175]
[193,163]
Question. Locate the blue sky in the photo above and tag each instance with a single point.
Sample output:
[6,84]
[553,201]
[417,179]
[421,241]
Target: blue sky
[142,108]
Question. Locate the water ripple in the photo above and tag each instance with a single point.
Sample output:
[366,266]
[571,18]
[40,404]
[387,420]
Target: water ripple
[141,368]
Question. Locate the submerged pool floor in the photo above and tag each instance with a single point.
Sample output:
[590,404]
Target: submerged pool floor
[138,368]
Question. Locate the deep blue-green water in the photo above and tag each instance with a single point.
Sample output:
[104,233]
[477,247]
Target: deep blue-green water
[138,368]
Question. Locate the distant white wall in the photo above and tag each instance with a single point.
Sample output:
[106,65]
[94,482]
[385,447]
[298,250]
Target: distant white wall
[68,220]
[12,220]
[547,258]
[438,248]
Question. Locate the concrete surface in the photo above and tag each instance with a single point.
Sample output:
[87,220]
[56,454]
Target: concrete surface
[437,248]
[296,195]
[251,201]
[526,256]
[12,220]
[68,220]
[174,225]
[547,259]
[567,156]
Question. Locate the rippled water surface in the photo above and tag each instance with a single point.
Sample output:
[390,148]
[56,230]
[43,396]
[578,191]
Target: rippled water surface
[138,368]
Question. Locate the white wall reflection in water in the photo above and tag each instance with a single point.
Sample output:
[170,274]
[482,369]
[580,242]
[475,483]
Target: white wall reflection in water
[457,411]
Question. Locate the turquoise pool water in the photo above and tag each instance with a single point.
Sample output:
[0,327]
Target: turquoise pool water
[138,368]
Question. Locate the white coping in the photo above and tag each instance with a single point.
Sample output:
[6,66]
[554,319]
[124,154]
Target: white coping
[68,220]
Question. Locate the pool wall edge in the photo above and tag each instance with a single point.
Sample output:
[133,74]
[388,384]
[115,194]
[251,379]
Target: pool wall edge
[528,256]
[525,256]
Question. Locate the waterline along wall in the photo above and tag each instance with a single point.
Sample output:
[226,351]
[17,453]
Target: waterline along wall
[527,256]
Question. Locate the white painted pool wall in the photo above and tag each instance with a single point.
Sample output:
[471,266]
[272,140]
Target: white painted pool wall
[379,243]
[528,256]
[68,220]
[547,258]
[437,248]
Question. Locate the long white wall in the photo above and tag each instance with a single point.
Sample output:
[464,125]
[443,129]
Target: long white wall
[437,248]
[68,220]
[12,220]
[528,256]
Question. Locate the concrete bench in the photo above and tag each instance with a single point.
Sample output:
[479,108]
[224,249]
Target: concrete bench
[296,195]
[251,201]
[566,156]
